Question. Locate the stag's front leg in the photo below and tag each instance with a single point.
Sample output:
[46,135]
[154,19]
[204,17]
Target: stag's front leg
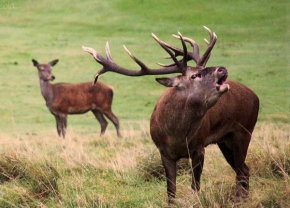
[197,165]
[170,171]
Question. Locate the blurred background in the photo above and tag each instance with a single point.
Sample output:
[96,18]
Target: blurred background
[252,44]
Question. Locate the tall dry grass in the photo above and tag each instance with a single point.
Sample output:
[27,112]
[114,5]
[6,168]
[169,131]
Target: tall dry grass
[91,171]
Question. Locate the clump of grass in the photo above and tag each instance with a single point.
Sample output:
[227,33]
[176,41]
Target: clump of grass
[17,196]
[150,167]
[272,157]
[280,166]
[39,179]
[10,167]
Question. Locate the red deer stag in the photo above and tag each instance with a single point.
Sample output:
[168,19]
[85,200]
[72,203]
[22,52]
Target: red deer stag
[192,113]
[63,99]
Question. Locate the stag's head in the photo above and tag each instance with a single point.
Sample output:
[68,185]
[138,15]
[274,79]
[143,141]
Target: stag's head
[199,83]
[44,70]
[203,86]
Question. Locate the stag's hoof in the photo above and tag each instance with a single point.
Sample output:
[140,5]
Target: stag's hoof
[172,202]
[195,187]
[240,195]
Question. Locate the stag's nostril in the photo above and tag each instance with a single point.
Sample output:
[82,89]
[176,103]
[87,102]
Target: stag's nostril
[222,70]
[53,77]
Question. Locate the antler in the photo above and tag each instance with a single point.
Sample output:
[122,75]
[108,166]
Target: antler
[201,62]
[110,65]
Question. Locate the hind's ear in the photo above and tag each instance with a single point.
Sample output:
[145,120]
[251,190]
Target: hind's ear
[54,62]
[35,63]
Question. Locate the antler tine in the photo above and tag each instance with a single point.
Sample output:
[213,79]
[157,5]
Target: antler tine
[165,65]
[98,58]
[108,53]
[165,47]
[177,51]
[140,63]
[205,40]
[168,65]
[210,45]
[209,32]
[195,54]
[97,76]
[184,61]
[91,51]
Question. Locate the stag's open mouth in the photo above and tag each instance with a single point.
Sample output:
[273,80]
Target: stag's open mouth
[222,80]
[220,84]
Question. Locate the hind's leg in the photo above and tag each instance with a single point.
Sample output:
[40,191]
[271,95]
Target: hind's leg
[63,119]
[114,119]
[100,117]
[58,125]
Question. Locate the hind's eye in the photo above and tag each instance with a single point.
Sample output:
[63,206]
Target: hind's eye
[193,76]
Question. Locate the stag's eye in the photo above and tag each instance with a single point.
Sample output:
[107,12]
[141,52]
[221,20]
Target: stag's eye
[193,76]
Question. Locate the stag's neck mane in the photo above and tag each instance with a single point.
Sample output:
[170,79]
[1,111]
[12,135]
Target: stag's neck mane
[184,123]
[192,115]
[46,91]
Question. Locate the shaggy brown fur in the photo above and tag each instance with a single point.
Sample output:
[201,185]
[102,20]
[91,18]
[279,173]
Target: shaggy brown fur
[196,110]
[229,124]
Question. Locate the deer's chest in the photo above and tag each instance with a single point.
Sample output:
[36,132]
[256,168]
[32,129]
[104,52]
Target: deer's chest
[174,129]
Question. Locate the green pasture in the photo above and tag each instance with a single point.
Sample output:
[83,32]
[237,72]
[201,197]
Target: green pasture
[252,44]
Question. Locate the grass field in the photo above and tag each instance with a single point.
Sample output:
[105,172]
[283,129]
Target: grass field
[88,171]
[85,170]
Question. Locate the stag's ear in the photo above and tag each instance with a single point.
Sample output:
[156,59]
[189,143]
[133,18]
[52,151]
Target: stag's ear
[169,82]
[54,62]
[35,63]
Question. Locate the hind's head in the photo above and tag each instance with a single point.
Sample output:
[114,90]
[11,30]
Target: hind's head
[44,70]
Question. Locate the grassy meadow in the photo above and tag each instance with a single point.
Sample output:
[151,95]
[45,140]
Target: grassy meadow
[38,169]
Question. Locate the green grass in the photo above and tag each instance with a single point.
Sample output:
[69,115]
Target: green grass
[88,171]
[252,44]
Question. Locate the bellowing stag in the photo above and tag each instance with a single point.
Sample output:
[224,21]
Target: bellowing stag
[63,99]
[196,110]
